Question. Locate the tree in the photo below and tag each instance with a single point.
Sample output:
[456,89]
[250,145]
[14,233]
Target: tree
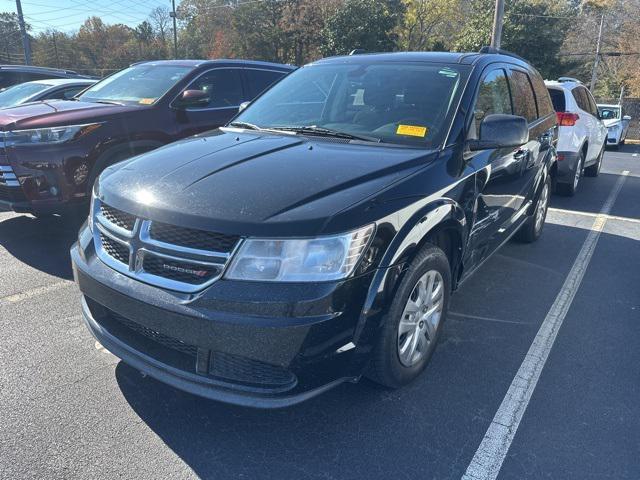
[161,22]
[365,24]
[533,29]
[10,39]
[427,24]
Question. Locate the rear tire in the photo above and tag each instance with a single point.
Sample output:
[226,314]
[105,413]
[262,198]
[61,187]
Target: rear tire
[531,230]
[409,322]
[570,189]
[594,170]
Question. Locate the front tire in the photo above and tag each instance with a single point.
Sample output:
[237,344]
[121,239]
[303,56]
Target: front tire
[532,227]
[413,325]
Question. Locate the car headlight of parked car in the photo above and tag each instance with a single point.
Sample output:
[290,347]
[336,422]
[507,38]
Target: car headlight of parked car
[95,191]
[48,136]
[614,128]
[300,260]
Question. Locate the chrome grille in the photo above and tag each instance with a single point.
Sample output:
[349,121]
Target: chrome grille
[186,260]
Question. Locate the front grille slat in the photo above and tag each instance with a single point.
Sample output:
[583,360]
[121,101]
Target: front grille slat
[168,256]
[118,218]
[192,238]
[116,250]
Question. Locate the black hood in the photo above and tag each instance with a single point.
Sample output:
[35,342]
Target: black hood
[255,184]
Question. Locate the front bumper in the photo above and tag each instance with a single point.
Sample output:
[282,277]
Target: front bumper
[246,343]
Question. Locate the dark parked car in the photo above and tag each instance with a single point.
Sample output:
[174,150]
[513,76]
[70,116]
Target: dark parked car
[15,74]
[319,236]
[38,90]
[51,152]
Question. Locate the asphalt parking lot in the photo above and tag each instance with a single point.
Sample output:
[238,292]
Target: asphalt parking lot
[71,410]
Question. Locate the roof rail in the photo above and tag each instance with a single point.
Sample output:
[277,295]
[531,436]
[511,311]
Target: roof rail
[568,79]
[35,67]
[499,51]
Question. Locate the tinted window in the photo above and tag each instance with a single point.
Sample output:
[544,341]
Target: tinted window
[223,85]
[545,106]
[580,96]
[593,108]
[65,93]
[557,98]
[524,101]
[260,80]
[493,97]
[609,113]
[403,103]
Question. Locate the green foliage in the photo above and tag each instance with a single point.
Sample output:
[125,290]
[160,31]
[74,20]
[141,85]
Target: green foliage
[365,24]
[535,30]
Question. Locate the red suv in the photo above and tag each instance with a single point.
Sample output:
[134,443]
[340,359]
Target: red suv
[52,151]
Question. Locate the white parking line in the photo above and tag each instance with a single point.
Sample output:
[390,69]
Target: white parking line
[18,297]
[590,214]
[488,459]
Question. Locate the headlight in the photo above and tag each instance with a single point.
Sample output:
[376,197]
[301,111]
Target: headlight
[95,191]
[48,136]
[300,260]
[613,128]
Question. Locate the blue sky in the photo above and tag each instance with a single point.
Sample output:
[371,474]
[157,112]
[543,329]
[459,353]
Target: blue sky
[68,15]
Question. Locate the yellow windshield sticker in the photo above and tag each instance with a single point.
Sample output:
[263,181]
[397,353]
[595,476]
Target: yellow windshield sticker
[146,101]
[412,130]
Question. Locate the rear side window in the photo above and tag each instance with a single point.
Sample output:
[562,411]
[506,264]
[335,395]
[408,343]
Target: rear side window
[524,101]
[593,108]
[260,80]
[557,98]
[580,95]
[545,106]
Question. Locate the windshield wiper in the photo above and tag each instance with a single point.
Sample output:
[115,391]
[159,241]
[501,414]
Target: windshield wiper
[107,102]
[328,132]
[248,126]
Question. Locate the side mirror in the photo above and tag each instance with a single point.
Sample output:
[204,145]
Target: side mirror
[243,105]
[627,118]
[501,131]
[192,98]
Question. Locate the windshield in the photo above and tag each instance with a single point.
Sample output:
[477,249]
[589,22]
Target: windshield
[137,85]
[19,93]
[405,103]
[609,113]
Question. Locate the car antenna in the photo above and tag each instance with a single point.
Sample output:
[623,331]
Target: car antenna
[357,51]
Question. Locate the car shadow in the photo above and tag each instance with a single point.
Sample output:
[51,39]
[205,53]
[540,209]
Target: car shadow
[41,243]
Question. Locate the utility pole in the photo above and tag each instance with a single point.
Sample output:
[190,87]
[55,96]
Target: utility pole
[621,95]
[594,72]
[172,14]
[25,39]
[498,20]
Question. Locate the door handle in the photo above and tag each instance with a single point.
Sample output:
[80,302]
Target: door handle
[521,154]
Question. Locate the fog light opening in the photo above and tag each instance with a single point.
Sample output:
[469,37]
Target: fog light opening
[80,174]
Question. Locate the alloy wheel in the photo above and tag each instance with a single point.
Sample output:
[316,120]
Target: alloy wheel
[541,209]
[420,318]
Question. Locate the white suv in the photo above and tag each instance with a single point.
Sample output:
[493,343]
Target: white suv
[582,135]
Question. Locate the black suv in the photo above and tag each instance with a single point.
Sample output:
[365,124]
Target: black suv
[14,74]
[319,235]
